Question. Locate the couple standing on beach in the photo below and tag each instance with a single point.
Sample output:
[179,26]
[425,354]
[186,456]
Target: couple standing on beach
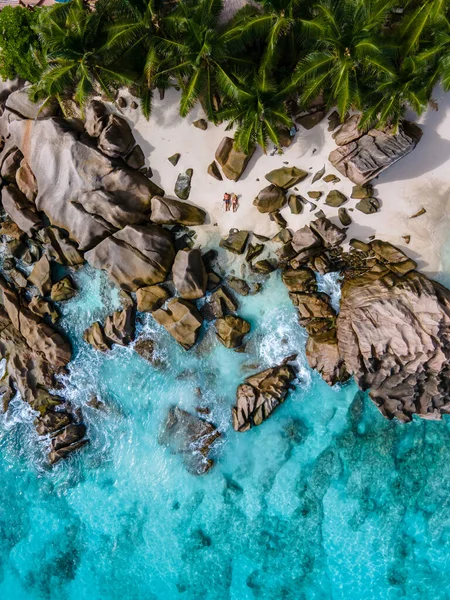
[230,200]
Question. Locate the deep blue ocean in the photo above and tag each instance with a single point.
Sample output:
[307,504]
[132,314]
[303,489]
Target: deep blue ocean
[326,500]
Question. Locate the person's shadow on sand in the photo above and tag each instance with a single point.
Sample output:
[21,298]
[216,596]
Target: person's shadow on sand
[431,152]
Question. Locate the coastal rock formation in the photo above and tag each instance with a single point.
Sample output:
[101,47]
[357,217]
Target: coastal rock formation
[365,157]
[231,330]
[63,290]
[119,329]
[22,211]
[260,395]
[270,199]
[182,320]
[116,138]
[189,274]
[174,212]
[151,298]
[232,160]
[135,256]
[393,333]
[286,177]
[235,242]
[190,436]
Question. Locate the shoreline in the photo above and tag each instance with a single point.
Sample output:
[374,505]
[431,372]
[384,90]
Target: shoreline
[401,193]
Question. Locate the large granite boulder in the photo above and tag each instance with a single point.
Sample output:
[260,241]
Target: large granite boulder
[270,199]
[231,330]
[151,297]
[10,160]
[393,332]
[189,274]
[63,290]
[190,436]
[330,234]
[80,189]
[349,131]
[232,160]
[182,320]
[183,184]
[116,138]
[135,256]
[41,276]
[326,359]
[96,118]
[174,212]
[120,326]
[365,158]
[22,211]
[235,242]
[26,181]
[286,177]
[260,395]
[20,104]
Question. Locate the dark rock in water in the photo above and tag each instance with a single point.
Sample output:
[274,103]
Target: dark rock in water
[278,219]
[362,191]
[151,298]
[182,320]
[240,286]
[325,358]
[260,395]
[189,274]
[63,290]
[331,234]
[70,434]
[253,251]
[270,199]
[201,124]
[213,170]
[231,330]
[22,211]
[299,280]
[183,184]
[286,177]
[174,212]
[335,198]
[232,160]
[371,154]
[368,206]
[264,267]
[393,332]
[41,276]
[116,139]
[190,436]
[120,326]
[135,256]
[145,347]
[222,302]
[344,217]
[235,242]
[136,158]
[295,204]
[95,336]
[318,175]
[96,117]
[51,422]
[94,402]
[56,455]
[214,281]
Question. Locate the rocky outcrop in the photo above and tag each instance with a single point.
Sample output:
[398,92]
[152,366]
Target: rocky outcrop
[174,212]
[183,184]
[286,177]
[366,157]
[182,320]
[63,290]
[231,330]
[135,256]
[270,199]
[116,138]
[189,274]
[21,210]
[191,437]
[232,160]
[393,333]
[235,242]
[119,329]
[151,298]
[260,395]
[41,277]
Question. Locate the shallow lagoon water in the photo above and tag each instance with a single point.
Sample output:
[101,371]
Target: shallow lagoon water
[326,500]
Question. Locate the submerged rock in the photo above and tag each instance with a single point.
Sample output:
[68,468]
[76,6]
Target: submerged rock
[232,160]
[235,242]
[190,436]
[260,395]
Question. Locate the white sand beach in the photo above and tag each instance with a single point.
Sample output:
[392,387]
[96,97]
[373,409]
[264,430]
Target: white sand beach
[418,180]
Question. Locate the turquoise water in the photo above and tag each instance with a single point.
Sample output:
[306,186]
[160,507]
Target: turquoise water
[326,500]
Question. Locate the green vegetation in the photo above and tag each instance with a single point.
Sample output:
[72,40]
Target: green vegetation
[19,44]
[257,71]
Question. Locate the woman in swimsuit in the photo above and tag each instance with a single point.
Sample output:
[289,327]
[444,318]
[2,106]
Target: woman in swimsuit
[234,202]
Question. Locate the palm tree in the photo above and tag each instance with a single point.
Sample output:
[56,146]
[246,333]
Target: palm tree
[200,51]
[420,17]
[255,105]
[79,64]
[345,53]
[139,31]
